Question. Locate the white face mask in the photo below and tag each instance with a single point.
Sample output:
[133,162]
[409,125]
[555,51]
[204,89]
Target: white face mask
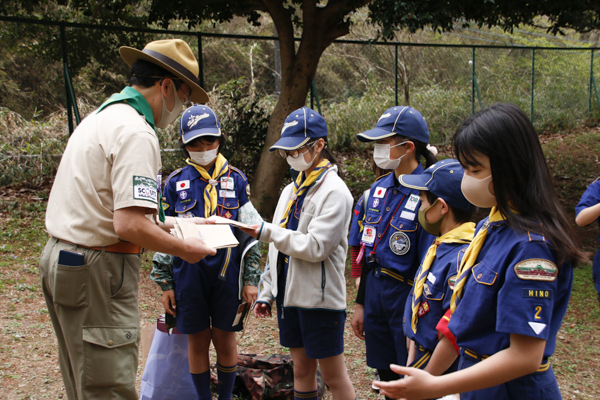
[381,156]
[168,117]
[298,163]
[477,191]
[204,157]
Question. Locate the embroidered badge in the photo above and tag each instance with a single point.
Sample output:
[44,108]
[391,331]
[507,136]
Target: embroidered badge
[452,282]
[248,190]
[368,235]
[128,335]
[537,327]
[356,212]
[182,185]
[426,290]
[379,192]
[195,119]
[384,116]
[145,189]
[536,269]
[375,203]
[183,194]
[227,183]
[536,294]
[423,308]
[412,202]
[399,243]
[228,215]
[165,206]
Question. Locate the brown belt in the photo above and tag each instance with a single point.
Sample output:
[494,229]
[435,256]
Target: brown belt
[119,247]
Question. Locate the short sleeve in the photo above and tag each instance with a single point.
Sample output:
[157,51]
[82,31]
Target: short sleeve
[590,197]
[136,162]
[526,300]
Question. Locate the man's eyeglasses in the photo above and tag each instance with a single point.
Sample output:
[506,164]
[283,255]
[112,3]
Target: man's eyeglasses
[295,153]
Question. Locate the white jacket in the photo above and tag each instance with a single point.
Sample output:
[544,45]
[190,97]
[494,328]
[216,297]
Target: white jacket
[317,249]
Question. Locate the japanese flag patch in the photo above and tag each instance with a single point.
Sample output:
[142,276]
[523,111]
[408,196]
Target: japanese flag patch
[182,185]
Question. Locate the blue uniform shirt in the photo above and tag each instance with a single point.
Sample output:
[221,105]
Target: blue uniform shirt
[393,237]
[590,198]
[437,292]
[356,224]
[514,287]
[184,196]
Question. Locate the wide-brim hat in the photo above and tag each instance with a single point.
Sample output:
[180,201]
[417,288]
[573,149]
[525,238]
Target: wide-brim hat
[198,121]
[399,120]
[299,127]
[175,56]
[443,179]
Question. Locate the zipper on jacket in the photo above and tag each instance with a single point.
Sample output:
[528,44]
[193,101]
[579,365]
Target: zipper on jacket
[323,280]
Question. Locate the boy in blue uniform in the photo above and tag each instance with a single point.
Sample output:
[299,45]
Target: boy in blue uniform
[207,294]
[356,228]
[515,279]
[393,242]
[588,211]
[446,213]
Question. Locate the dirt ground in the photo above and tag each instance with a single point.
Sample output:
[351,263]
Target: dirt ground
[28,352]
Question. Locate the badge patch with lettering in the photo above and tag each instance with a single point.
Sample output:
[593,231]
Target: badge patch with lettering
[536,294]
[399,243]
[412,202]
[145,189]
[423,308]
[227,183]
[536,269]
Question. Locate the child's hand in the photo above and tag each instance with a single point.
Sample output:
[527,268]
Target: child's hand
[415,385]
[253,231]
[262,310]
[358,318]
[168,300]
[249,294]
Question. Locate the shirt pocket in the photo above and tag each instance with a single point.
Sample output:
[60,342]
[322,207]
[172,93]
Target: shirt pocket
[185,207]
[484,274]
[433,292]
[228,208]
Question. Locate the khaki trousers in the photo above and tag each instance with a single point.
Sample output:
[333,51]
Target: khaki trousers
[94,311]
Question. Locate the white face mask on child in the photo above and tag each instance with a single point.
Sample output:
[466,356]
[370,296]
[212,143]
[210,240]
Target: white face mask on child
[381,156]
[204,157]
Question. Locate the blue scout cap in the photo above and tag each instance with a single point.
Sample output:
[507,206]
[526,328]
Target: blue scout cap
[198,121]
[400,120]
[299,127]
[443,179]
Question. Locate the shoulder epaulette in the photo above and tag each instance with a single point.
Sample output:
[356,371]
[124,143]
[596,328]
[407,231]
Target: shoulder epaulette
[597,179]
[239,172]
[383,176]
[177,171]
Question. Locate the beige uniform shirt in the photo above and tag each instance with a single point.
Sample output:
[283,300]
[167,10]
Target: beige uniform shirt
[111,161]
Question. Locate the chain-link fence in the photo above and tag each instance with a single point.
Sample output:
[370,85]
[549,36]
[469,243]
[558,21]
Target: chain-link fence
[355,81]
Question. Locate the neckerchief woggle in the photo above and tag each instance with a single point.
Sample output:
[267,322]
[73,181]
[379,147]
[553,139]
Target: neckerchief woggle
[462,234]
[210,191]
[301,187]
[471,256]
[135,99]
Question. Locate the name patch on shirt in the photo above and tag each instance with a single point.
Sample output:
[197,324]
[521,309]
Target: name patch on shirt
[536,269]
[536,294]
[408,215]
[227,193]
[145,189]
[227,183]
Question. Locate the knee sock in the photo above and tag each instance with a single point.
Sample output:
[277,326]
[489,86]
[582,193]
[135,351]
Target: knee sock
[386,375]
[312,395]
[202,385]
[226,377]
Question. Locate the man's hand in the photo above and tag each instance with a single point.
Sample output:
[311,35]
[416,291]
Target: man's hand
[195,250]
[168,300]
[358,321]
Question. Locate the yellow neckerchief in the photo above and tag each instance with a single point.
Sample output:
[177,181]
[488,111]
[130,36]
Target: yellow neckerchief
[471,255]
[300,189]
[461,234]
[210,191]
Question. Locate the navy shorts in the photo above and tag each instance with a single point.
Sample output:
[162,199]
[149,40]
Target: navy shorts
[203,300]
[385,299]
[536,386]
[320,332]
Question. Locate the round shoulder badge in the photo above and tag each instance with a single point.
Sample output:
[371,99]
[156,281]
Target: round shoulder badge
[399,243]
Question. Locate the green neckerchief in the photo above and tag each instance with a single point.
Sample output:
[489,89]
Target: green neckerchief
[135,99]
